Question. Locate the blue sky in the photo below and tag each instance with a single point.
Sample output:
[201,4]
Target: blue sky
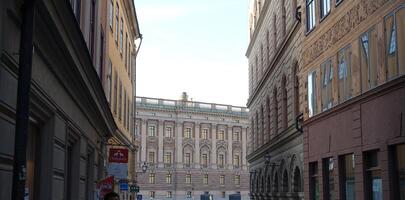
[197,46]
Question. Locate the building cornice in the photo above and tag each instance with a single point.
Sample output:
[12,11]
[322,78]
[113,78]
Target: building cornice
[59,34]
[273,63]
[257,28]
[281,139]
[376,92]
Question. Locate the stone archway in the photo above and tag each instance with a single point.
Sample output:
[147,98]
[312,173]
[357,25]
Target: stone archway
[297,184]
[285,181]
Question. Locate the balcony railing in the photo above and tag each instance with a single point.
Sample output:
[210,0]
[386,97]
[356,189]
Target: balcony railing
[145,102]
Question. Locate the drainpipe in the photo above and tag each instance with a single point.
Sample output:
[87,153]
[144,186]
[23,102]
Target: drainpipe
[23,100]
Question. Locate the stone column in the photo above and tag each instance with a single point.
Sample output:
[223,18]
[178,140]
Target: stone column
[144,135]
[214,146]
[160,144]
[230,155]
[197,146]
[179,144]
[244,143]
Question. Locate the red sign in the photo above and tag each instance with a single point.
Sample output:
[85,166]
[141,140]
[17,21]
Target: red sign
[118,156]
[105,186]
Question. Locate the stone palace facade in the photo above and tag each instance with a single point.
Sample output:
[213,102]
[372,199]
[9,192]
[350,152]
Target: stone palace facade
[191,148]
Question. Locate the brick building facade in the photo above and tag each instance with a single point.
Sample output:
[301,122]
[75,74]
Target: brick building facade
[353,67]
[191,148]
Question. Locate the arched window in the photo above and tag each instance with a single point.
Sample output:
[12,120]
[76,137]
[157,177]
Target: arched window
[297,186]
[252,130]
[275,32]
[296,89]
[262,59]
[269,183]
[257,130]
[275,116]
[293,9]
[268,48]
[257,70]
[284,113]
[285,181]
[268,108]
[275,183]
[262,125]
[284,21]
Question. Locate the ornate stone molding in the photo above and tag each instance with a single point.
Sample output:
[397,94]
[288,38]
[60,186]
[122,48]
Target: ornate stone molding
[357,14]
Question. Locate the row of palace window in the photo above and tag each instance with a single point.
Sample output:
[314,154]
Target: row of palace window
[152,179]
[368,51]
[324,10]
[260,63]
[270,112]
[188,158]
[346,174]
[169,194]
[119,26]
[204,134]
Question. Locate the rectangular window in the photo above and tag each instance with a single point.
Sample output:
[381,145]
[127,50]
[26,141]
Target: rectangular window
[115,92]
[188,194]
[221,135]
[120,102]
[368,59]
[222,179]
[325,8]
[344,74]
[169,178]
[152,131]
[236,160]
[168,132]
[205,179]
[117,14]
[152,178]
[204,134]
[111,14]
[108,82]
[168,158]
[236,136]
[312,102]
[169,194]
[152,194]
[310,9]
[237,179]
[187,133]
[327,77]
[204,158]
[313,181]
[151,157]
[223,194]
[328,179]
[126,51]
[399,171]
[373,178]
[221,160]
[125,108]
[187,158]
[347,185]
[394,40]
[188,178]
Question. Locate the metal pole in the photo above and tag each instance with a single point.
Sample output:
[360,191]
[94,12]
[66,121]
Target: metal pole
[23,90]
